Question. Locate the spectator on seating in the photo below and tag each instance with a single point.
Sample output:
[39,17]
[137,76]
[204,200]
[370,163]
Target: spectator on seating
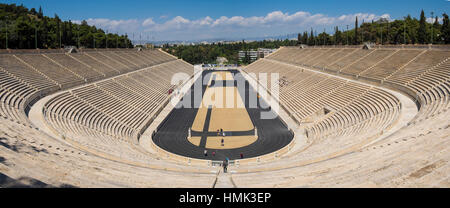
[223,142]
[242,156]
[206,153]
[213,154]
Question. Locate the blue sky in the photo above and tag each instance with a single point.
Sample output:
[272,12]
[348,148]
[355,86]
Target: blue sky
[204,19]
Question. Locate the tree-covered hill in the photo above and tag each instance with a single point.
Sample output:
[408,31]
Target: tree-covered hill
[208,53]
[406,31]
[23,28]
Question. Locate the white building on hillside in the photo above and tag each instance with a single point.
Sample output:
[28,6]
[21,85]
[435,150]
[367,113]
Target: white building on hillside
[255,55]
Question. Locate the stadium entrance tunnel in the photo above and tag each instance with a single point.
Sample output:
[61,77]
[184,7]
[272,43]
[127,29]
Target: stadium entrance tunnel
[217,119]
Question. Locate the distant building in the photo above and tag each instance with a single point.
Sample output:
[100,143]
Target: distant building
[255,55]
[221,60]
[264,52]
[252,55]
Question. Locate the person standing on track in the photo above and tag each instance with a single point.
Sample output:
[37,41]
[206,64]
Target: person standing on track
[222,132]
[225,165]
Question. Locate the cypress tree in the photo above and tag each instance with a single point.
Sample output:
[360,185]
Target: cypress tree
[311,38]
[422,32]
[446,29]
[436,29]
[338,36]
[40,13]
[305,37]
[356,32]
[70,34]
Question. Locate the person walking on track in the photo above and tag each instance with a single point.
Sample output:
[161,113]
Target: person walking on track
[225,166]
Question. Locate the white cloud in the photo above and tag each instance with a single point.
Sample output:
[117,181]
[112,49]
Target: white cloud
[276,18]
[148,22]
[432,20]
[273,23]
[116,26]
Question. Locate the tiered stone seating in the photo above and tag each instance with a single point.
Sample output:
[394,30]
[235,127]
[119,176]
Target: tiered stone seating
[382,64]
[60,75]
[413,156]
[368,61]
[423,71]
[433,90]
[333,58]
[28,77]
[424,62]
[81,69]
[344,146]
[111,61]
[96,64]
[25,85]
[391,64]
[15,68]
[108,115]
[29,154]
[315,56]
[342,62]
[351,105]
[13,95]
[160,57]
[375,110]
[99,119]
[289,75]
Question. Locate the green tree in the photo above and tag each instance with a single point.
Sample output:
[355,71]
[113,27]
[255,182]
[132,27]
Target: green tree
[305,38]
[436,32]
[445,29]
[422,32]
[338,36]
[22,24]
[356,41]
[311,38]
[40,13]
